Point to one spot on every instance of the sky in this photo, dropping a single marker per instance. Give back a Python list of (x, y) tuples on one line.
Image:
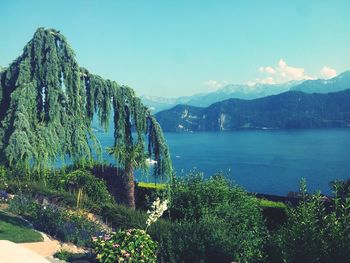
[(183, 47)]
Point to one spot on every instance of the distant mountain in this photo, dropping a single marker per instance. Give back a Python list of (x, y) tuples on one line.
[(229, 91), (247, 92), (338, 83), (157, 104), (292, 109)]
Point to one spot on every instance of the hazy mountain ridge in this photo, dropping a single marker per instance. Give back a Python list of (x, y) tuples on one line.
[(338, 83), (292, 109), (248, 92), (239, 91)]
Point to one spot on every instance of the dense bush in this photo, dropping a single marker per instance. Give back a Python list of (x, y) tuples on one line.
[(316, 231), (146, 193), (86, 186), (122, 217), (274, 213), (217, 222), (75, 257), (131, 245), (56, 221), (341, 187), (3, 178), (208, 220)]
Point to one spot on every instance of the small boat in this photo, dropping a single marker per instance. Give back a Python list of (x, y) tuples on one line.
[(149, 161)]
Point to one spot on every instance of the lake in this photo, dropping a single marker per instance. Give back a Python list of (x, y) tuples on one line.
[(264, 161)]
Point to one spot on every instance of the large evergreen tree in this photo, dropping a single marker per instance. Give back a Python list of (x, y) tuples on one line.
[(47, 103)]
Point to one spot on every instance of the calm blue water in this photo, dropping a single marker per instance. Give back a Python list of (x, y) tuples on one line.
[(271, 162)]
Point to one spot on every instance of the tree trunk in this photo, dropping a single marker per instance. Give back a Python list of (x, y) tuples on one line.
[(129, 186)]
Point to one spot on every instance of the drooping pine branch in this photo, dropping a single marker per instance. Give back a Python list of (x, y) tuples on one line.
[(47, 103)]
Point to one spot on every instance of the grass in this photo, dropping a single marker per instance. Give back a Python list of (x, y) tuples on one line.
[(267, 203), (151, 186), (16, 230), (72, 257)]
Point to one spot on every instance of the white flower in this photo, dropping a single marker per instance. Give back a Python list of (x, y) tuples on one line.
[(157, 211)]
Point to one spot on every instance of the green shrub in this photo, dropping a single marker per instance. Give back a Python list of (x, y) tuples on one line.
[(121, 217), (220, 220), (3, 178), (147, 192), (341, 187), (22, 205), (272, 204), (65, 225), (316, 232), (132, 245), (274, 213), (86, 186), (72, 257)]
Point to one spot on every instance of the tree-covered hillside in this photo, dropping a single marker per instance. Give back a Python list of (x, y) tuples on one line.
[(287, 110)]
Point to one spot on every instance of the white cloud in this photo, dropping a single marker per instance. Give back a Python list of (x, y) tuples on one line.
[(268, 80), (269, 70), (291, 73), (328, 72), (215, 84), (251, 83), (282, 72)]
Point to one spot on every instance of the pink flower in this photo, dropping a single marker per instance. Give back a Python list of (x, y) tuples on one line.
[(116, 245), (127, 255), (107, 237)]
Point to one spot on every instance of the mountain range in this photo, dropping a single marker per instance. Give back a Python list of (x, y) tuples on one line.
[(291, 109), (248, 92)]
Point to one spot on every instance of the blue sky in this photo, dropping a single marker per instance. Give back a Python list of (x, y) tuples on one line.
[(174, 48)]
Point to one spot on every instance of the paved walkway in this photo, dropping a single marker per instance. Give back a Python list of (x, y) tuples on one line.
[(15, 253), (31, 252), (44, 249), (34, 252)]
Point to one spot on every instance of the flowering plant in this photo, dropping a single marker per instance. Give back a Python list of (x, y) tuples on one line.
[(3, 196), (132, 245), (158, 209)]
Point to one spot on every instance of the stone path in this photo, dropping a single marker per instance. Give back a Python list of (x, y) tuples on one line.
[(31, 252), (14, 253), (44, 249), (34, 252)]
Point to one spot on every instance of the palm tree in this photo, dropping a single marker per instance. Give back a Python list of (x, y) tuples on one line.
[(130, 157)]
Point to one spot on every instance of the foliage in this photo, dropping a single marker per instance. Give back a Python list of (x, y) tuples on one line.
[(157, 210), (288, 110), (3, 178), (72, 257), (274, 213), (121, 217), (63, 224), (47, 103), (272, 204), (341, 188), (316, 231), (153, 186), (132, 245), (17, 230), (62, 186), (210, 213), (85, 183), (147, 192)]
